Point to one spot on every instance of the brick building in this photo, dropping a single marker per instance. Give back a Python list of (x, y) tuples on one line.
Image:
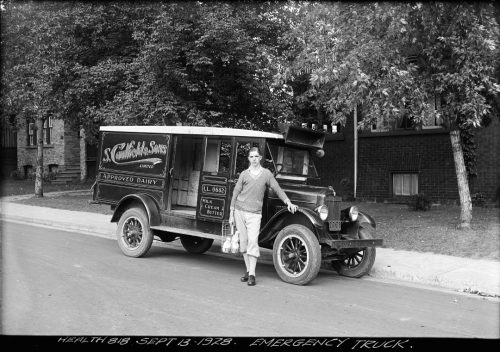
[(61, 149), (8, 148), (395, 163)]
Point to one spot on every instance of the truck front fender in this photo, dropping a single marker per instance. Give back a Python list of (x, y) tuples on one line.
[(365, 218), (352, 229), (283, 217), (148, 202)]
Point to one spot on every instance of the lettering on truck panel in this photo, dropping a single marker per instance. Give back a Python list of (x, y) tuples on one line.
[(126, 179), (130, 153), (212, 207), (214, 189), (141, 154)]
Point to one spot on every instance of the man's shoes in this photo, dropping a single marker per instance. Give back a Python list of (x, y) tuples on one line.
[(251, 280), (244, 278)]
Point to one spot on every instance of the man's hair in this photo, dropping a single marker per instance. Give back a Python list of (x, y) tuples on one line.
[(255, 149)]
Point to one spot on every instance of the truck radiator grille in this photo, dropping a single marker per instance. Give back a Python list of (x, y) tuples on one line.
[(333, 204)]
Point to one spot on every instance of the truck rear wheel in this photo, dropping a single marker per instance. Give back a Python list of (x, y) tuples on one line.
[(133, 233), (196, 245), (296, 255), (358, 264)]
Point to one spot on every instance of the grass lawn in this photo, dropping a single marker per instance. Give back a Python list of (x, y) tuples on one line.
[(17, 187), (435, 230), (401, 228)]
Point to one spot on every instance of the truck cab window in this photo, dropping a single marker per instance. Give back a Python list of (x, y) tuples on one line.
[(291, 161)]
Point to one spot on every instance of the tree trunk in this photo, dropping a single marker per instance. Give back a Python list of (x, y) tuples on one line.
[(463, 185), (39, 158), (83, 156)]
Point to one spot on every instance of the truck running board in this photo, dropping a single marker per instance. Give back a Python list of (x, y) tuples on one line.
[(182, 231)]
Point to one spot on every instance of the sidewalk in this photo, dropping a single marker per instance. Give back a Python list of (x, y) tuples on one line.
[(461, 274)]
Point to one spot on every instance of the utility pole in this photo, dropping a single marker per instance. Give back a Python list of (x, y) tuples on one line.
[(355, 150)]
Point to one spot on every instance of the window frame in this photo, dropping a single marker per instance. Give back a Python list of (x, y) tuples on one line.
[(412, 187), (31, 140), (47, 133)]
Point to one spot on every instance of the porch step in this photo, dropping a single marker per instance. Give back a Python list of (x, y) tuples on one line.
[(70, 174), (61, 182), (73, 167)]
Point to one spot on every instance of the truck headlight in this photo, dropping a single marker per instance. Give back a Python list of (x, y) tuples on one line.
[(353, 213), (322, 211)]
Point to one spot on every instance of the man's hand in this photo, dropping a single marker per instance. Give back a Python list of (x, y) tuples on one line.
[(292, 208)]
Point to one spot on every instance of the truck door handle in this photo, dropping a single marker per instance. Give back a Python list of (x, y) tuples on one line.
[(170, 171)]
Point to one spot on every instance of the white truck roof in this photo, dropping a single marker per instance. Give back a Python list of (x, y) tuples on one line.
[(193, 130)]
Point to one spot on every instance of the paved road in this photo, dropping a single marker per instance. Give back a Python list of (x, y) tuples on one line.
[(62, 283)]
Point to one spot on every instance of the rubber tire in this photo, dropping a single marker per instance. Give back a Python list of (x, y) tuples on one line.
[(147, 235), (364, 266), (313, 262), (196, 245)]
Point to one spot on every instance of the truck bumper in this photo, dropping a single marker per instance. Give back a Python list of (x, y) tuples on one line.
[(339, 244)]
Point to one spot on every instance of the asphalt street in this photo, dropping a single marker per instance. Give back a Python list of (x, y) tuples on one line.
[(64, 283)]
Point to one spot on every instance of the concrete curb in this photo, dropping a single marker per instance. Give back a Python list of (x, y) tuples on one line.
[(475, 276)]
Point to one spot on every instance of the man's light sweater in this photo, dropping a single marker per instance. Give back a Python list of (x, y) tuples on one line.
[(249, 191)]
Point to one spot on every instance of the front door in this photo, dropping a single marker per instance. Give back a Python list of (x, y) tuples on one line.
[(214, 192)]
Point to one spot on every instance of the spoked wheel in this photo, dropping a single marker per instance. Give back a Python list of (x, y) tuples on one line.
[(133, 233), (296, 255), (359, 263)]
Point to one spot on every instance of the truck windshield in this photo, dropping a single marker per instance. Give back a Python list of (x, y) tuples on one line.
[(288, 160)]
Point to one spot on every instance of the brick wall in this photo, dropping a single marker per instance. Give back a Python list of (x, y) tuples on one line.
[(71, 147), (8, 149), (427, 153), (337, 164), (487, 180)]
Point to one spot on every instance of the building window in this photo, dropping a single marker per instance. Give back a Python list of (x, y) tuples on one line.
[(46, 134), (404, 184), (405, 122), (31, 134), (380, 126), (47, 130), (434, 119)]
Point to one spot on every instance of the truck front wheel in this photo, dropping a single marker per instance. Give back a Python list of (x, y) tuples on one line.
[(296, 255), (133, 233), (359, 263)]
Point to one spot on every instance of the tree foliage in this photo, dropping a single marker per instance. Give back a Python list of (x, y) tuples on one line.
[(348, 55), (194, 64), (34, 42), (249, 65), (459, 45), (344, 55), (148, 63)]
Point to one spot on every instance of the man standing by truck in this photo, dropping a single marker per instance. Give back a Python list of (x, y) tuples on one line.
[(246, 209)]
